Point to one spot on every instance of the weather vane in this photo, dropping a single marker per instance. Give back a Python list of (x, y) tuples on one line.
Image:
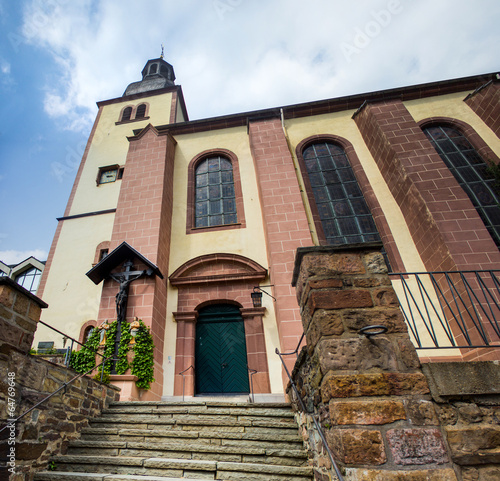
[(161, 56)]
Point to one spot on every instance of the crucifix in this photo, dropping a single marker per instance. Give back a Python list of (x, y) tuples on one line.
[(124, 278)]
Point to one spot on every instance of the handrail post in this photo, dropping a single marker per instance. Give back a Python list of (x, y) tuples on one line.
[(252, 372), (303, 407), (183, 379)]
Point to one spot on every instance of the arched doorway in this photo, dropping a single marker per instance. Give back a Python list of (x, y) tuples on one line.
[(220, 351)]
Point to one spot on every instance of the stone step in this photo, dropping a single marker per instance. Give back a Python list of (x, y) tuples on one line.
[(265, 440), (261, 410), (241, 454), (71, 476), (193, 440), (222, 423), (180, 468)]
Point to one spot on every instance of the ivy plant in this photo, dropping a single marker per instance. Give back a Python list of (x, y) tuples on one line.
[(143, 362), (142, 365)]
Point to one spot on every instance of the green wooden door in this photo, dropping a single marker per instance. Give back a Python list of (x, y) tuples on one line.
[(221, 354)]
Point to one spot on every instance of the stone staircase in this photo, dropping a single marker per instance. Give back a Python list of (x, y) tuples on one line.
[(166, 441)]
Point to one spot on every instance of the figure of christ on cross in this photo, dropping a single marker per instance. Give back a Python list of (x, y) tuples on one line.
[(124, 278)]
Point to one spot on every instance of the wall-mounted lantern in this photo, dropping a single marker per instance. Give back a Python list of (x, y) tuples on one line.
[(257, 296)]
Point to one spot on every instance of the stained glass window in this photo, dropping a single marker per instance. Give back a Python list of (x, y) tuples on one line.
[(344, 214), (215, 202), (470, 170)]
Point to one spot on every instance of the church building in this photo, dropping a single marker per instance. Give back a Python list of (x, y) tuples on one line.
[(212, 211)]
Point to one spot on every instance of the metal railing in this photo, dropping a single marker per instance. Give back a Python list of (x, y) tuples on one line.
[(63, 387), (69, 349), (450, 309), (251, 372), (183, 379), (304, 409)]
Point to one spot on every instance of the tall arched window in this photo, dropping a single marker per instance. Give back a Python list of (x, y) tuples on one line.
[(344, 214), (470, 170), (215, 202)]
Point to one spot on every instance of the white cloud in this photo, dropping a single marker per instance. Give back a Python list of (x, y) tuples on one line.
[(251, 55), (15, 257), (5, 67)]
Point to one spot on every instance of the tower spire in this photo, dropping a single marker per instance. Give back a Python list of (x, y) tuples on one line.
[(161, 56)]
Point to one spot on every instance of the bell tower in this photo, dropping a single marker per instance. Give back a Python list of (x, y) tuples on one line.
[(156, 74)]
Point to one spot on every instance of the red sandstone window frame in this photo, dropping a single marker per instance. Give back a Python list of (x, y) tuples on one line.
[(366, 188), (482, 148), (240, 213), (102, 246), (83, 330), (133, 114)]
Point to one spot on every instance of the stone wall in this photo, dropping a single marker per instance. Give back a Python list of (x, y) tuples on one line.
[(25, 380), (370, 394)]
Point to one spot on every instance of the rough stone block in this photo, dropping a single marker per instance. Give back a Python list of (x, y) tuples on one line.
[(474, 444), (366, 412), (356, 474), (391, 318), (362, 446), (7, 296), (417, 446), (21, 305), (408, 356), (486, 473), (367, 282), (385, 297), (375, 263), (356, 354), (324, 323), (379, 384), (422, 413), (345, 299)]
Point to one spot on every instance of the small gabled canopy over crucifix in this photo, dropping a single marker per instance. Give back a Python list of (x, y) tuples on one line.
[(122, 255)]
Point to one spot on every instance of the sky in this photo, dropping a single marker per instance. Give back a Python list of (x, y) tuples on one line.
[(59, 57)]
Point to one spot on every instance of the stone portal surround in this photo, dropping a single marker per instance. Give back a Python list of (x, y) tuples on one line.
[(371, 396)]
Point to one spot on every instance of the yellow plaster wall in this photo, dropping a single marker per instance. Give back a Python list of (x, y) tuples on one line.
[(453, 106), (109, 147), (72, 297), (342, 124), (249, 242)]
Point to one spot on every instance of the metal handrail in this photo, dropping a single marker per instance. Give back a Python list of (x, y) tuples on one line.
[(447, 301), (183, 378), (252, 372), (64, 386), (303, 407), (69, 349)]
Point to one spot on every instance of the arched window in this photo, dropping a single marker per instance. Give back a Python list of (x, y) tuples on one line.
[(30, 279), (215, 202), (127, 112), (344, 214), (153, 68), (141, 111), (470, 170)]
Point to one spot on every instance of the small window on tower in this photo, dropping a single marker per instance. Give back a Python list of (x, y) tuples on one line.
[(141, 111), (153, 68), (126, 114)]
